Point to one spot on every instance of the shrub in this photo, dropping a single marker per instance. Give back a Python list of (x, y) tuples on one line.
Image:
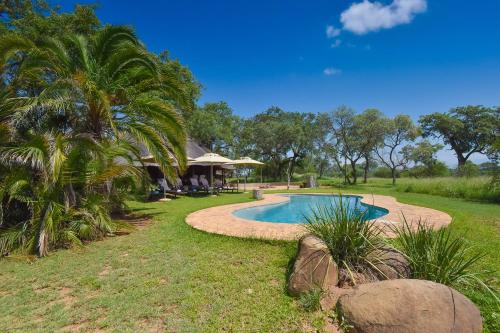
[(468, 170), (478, 188), (436, 255), (384, 172), (310, 301), (352, 240)]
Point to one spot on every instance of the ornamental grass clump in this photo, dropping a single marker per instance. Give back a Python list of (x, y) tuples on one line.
[(353, 241), (437, 255)]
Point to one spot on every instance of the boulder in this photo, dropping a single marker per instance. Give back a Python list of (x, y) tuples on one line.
[(349, 279), (313, 268), (391, 264), (412, 306)]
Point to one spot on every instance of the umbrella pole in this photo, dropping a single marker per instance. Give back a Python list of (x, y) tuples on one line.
[(211, 174)]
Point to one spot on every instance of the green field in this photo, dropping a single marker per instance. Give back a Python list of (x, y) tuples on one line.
[(170, 277), (474, 188)]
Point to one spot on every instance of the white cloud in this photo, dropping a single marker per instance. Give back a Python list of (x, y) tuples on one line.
[(336, 43), (330, 71), (331, 31), (367, 16)]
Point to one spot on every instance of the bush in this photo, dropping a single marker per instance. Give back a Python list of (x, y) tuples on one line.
[(384, 172), (436, 255), (310, 301), (469, 170), (352, 240), (438, 169), (478, 188)]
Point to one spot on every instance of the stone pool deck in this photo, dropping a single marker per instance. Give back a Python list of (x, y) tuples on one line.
[(220, 219)]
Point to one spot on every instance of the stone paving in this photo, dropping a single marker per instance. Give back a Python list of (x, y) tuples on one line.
[(220, 219)]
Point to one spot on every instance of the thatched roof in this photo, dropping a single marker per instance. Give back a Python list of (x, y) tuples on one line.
[(194, 149)]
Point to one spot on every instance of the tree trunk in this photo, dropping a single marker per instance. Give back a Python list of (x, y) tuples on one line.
[(280, 171), (353, 171), (365, 175), (292, 167), (461, 162), (393, 173), (288, 171)]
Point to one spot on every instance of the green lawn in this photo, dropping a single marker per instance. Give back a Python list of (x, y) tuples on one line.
[(170, 277)]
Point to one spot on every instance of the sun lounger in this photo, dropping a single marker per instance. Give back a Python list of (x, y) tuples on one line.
[(196, 186), (221, 187), (165, 188)]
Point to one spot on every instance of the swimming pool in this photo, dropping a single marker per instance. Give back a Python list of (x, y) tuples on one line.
[(294, 210)]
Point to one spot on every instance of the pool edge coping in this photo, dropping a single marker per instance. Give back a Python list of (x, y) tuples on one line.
[(221, 220)]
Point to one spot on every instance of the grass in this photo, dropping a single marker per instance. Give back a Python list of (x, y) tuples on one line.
[(474, 188), (168, 277), (171, 277), (479, 222), (477, 188), (310, 301)]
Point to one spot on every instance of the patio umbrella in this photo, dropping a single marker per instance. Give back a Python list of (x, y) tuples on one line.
[(247, 161), (211, 159)]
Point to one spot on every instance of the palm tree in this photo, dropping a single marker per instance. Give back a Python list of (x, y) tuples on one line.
[(71, 130), (107, 86), (43, 171)]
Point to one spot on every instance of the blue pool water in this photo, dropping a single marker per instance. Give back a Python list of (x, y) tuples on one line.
[(293, 211)]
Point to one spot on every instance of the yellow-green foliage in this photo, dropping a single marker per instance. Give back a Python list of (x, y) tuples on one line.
[(477, 188)]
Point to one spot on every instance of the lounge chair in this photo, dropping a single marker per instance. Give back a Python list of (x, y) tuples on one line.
[(221, 187), (196, 187), (178, 184), (165, 188), (205, 184)]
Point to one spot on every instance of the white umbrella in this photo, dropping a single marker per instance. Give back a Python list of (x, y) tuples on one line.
[(211, 159), (247, 161)]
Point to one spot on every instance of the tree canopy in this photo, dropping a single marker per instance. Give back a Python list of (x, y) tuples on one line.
[(74, 111), (468, 129)]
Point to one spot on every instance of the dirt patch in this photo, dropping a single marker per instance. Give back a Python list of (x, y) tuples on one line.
[(134, 220), (105, 271), (40, 290), (75, 327), (275, 283), (152, 325), (66, 298)]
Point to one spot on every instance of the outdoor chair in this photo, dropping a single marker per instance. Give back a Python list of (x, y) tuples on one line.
[(196, 187), (221, 187), (165, 188), (178, 184), (204, 183)]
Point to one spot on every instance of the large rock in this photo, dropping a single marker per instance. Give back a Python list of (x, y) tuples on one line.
[(391, 264), (412, 306), (314, 267)]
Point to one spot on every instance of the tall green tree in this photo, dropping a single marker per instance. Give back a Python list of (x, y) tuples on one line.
[(214, 125), (107, 86), (272, 138), (346, 134), (423, 155), (356, 136), (37, 19), (371, 130), (468, 129), (323, 151), (398, 131), (73, 112)]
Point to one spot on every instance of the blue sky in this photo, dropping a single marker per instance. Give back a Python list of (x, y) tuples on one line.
[(402, 56)]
